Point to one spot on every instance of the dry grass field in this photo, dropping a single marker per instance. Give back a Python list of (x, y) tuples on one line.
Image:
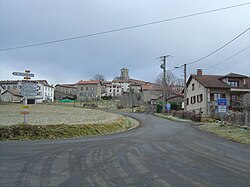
[(54, 115)]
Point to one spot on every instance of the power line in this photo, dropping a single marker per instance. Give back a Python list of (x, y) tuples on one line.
[(219, 47), (228, 58), (123, 28), (202, 58)]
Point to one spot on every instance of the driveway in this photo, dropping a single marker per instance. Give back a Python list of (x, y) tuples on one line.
[(158, 153)]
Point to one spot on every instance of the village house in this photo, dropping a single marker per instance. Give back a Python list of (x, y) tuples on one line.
[(87, 90), (203, 91), (65, 91), (11, 91)]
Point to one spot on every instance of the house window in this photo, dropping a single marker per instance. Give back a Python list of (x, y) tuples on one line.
[(110, 90), (193, 99), (81, 88), (187, 101), (235, 97), (234, 83), (193, 86), (199, 98), (87, 88), (14, 87), (216, 96)]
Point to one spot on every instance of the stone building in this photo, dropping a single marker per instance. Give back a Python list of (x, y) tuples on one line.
[(87, 90)]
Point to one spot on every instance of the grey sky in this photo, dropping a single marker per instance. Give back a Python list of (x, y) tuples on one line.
[(29, 21)]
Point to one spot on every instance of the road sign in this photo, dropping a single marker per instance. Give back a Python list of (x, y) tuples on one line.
[(222, 105), (24, 112), (168, 106), (29, 89), (23, 74)]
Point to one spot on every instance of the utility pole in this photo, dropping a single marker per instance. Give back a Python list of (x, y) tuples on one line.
[(164, 67), (185, 87)]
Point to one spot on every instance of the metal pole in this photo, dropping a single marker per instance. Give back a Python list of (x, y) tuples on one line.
[(185, 87)]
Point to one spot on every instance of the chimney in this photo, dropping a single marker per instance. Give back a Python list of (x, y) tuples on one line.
[(199, 72)]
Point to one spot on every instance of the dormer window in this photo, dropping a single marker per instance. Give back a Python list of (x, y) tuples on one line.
[(233, 83)]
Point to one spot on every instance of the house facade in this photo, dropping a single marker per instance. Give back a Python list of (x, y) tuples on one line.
[(87, 90), (45, 92), (203, 91), (63, 91)]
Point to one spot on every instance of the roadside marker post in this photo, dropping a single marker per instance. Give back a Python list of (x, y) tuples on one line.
[(28, 89)]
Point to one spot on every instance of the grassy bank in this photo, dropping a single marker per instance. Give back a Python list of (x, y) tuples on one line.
[(230, 132), (233, 133), (41, 132)]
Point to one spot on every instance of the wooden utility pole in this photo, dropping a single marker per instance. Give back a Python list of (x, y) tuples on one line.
[(164, 68), (185, 87)]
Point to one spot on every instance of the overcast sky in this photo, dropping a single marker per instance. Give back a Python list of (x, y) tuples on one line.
[(28, 22)]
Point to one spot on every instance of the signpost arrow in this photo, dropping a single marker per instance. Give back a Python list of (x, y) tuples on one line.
[(23, 74)]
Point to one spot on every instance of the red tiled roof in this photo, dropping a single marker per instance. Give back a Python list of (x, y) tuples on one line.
[(67, 85), (119, 81), (89, 82), (150, 87)]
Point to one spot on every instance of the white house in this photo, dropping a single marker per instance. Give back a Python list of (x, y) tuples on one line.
[(45, 92), (203, 91)]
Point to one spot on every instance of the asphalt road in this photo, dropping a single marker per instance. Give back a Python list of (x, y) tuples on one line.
[(158, 153)]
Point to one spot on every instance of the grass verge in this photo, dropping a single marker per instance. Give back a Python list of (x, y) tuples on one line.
[(172, 118), (230, 132), (42, 132)]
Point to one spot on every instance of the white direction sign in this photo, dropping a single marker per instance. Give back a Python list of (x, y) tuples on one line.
[(29, 89), (23, 74)]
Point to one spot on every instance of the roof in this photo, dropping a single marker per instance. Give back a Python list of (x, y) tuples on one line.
[(234, 75), (209, 81), (12, 92), (89, 82), (215, 81), (67, 85), (10, 82), (151, 87), (122, 80), (137, 81)]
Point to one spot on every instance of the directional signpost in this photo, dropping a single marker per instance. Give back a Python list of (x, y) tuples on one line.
[(23, 74), (28, 89)]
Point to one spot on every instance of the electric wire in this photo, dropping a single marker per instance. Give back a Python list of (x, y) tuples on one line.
[(202, 58), (123, 28), (241, 51)]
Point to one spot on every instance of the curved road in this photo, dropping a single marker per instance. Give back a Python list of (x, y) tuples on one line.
[(158, 153)]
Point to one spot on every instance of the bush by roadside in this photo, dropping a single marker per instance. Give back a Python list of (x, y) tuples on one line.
[(40, 132)]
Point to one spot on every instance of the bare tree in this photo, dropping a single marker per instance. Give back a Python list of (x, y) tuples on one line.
[(170, 78), (170, 82), (99, 77)]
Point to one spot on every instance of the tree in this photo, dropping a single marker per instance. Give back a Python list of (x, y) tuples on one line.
[(99, 77), (170, 82), (170, 78)]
